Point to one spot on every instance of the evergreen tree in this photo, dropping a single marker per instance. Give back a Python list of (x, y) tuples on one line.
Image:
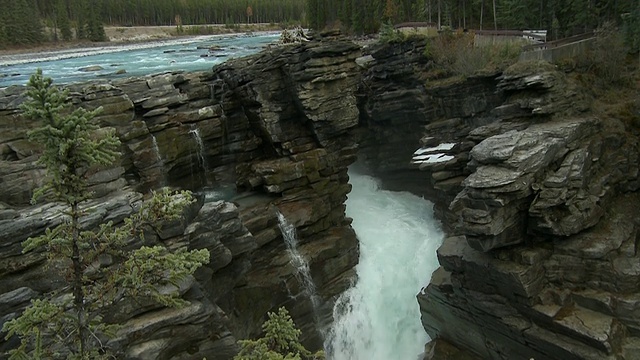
[(34, 29), (20, 26), (4, 20), (312, 14), (280, 341), (80, 13), (632, 29), (59, 326), (62, 20), (357, 16), (95, 28)]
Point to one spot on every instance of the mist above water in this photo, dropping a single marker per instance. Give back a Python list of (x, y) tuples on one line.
[(379, 318)]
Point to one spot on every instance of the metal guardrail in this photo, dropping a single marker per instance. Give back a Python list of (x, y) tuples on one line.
[(415, 25), (557, 43), (509, 33)]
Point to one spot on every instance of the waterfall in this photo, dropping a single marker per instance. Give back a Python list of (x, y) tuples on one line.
[(156, 151), (195, 132), (212, 91), (159, 162), (223, 116), (303, 274), (379, 318)]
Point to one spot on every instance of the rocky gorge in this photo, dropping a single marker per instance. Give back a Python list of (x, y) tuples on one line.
[(537, 194)]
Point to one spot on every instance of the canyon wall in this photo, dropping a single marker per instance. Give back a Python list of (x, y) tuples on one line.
[(275, 126), (538, 195), (536, 190)]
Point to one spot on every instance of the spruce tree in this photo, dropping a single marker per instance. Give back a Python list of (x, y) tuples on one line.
[(95, 28), (4, 18), (34, 24), (21, 26), (312, 14), (280, 342), (81, 14), (62, 19), (71, 327)]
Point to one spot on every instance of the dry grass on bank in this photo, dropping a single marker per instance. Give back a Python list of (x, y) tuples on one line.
[(456, 55)]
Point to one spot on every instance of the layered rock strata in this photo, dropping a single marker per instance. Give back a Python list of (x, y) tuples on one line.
[(276, 126), (538, 195)]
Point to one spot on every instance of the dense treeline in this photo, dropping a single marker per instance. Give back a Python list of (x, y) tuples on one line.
[(188, 12), (17, 24), (560, 17), (22, 22)]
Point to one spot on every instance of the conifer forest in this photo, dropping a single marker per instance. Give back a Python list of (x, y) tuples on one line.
[(27, 22)]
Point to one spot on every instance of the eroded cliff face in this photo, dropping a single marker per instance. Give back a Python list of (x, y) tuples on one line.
[(539, 197), (275, 125)]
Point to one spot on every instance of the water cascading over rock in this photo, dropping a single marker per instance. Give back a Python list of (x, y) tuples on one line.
[(533, 191), (542, 257), (301, 265), (377, 319), (284, 151)]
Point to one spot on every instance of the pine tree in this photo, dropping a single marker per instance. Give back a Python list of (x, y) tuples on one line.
[(280, 341), (62, 19), (4, 19), (312, 14), (20, 25), (61, 326), (95, 28), (357, 16), (632, 30), (81, 14), (33, 24)]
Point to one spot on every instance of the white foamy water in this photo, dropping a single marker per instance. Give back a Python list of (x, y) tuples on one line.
[(303, 273), (135, 59), (379, 318)]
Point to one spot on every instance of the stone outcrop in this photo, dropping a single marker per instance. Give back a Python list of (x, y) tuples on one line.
[(537, 193), (539, 197), (275, 126)]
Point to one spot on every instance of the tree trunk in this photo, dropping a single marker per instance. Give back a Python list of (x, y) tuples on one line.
[(78, 289), (495, 21), (464, 14), (481, 13)]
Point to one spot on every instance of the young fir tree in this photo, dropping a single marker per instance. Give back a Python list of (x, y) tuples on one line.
[(70, 326), (280, 341)]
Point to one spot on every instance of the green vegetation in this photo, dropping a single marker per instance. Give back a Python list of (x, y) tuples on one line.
[(632, 29), (454, 54), (21, 21), (561, 17), (605, 59), (389, 34), (280, 341), (18, 26), (62, 21), (99, 265)]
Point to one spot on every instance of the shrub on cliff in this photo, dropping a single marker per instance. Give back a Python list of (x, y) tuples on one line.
[(455, 54), (99, 265), (389, 34), (280, 341), (605, 59)]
